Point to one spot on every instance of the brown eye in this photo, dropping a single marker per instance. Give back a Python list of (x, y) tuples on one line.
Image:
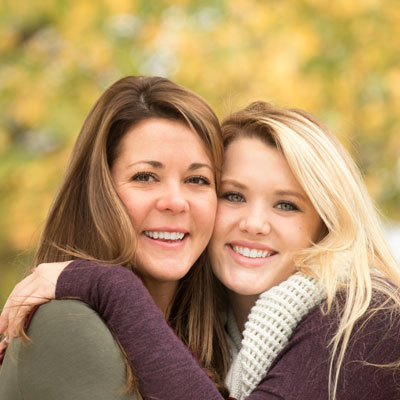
[(198, 180), (144, 177)]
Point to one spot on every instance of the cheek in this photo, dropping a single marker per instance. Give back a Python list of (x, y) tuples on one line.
[(312, 232), (305, 235), (135, 205), (225, 220), (204, 214), (215, 253), (222, 228), (319, 231)]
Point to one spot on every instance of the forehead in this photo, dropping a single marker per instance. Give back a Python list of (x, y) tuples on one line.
[(158, 137), (253, 160)]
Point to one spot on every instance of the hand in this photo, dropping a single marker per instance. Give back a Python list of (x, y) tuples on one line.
[(37, 288), (3, 345)]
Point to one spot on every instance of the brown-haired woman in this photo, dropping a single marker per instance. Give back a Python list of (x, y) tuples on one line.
[(140, 191)]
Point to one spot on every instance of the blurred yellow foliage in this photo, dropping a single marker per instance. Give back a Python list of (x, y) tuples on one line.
[(338, 60), (121, 6)]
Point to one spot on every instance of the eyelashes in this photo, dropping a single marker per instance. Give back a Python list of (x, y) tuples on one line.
[(199, 180), (287, 206), (144, 176), (147, 177), (234, 197)]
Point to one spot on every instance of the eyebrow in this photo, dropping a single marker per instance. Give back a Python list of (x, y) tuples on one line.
[(155, 164), (195, 166), (234, 183), (290, 193), (159, 165)]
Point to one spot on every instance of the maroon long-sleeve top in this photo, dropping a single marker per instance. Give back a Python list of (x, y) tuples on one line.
[(166, 369)]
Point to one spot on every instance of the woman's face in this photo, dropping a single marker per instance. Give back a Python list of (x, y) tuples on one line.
[(165, 180), (263, 218)]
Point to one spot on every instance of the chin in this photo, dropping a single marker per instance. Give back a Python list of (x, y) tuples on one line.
[(243, 289), (248, 292), (173, 274)]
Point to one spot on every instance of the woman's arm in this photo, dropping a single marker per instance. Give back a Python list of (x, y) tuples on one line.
[(166, 369), (72, 355)]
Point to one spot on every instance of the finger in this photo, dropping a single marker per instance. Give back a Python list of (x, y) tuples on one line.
[(18, 296), (3, 322), (3, 345), (18, 314), (4, 342), (36, 288), (5, 316), (16, 309)]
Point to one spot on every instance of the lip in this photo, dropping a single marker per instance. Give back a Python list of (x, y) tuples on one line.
[(167, 245), (246, 261)]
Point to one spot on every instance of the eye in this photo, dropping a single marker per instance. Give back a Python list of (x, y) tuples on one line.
[(144, 177), (198, 180), (286, 206), (233, 197)]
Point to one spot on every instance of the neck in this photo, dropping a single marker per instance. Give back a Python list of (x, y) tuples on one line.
[(241, 306), (162, 293)]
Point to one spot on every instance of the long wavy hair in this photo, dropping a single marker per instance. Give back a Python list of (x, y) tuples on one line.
[(352, 258), (88, 220)]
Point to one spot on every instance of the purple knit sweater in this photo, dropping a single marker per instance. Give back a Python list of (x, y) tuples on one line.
[(166, 369)]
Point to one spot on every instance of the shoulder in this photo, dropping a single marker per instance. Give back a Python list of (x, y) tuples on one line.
[(301, 370), (72, 354), (375, 337), (69, 321)]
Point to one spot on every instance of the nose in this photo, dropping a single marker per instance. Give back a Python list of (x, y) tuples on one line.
[(173, 199), (255, 224)]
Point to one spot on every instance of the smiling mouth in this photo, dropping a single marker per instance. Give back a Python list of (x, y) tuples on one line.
[(169, 237), (252, 253)]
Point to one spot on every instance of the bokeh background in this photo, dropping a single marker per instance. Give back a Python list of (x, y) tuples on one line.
[(338, 59)]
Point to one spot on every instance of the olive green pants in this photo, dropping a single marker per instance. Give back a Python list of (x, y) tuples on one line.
[(72, 356)]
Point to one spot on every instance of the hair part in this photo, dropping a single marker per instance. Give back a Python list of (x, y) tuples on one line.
[(352, 256)]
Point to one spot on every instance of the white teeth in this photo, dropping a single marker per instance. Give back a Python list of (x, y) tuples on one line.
[(165, 235), (251, 253)]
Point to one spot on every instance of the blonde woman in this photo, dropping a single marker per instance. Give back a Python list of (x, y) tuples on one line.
[(312, 289)]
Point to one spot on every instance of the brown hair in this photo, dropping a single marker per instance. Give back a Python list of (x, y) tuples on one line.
[(88, 220)]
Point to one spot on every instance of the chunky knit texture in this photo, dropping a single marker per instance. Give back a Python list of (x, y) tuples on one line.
[(269, 327)]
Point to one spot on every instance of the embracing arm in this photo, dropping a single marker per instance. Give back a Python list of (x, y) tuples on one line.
[(166, 369)]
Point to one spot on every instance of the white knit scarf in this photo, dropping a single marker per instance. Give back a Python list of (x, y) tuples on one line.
[(268, 329)]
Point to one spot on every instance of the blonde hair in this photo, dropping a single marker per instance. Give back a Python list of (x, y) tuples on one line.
[(352, 256), (88, 220)]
